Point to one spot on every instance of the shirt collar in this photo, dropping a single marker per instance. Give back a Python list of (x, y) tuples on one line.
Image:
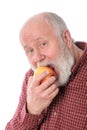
[(82, 60)]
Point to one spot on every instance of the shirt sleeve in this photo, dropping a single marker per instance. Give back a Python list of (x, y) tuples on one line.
[(21, 119)]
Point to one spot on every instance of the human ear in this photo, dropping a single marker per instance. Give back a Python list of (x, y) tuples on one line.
[(66, 36)]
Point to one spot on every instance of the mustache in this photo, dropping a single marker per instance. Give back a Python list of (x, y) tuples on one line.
[(39, 64)]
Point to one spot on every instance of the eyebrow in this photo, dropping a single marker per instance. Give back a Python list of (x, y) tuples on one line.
[(37, 39)]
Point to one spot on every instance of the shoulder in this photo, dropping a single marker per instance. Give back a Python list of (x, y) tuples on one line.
[(82, 45)]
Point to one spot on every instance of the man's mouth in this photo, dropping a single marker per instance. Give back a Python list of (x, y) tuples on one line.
[(48, 65), (51, 66)]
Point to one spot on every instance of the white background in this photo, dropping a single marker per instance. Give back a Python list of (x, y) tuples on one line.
[(13, 62)]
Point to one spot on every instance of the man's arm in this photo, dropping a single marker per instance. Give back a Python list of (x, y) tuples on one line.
[(22, 119)]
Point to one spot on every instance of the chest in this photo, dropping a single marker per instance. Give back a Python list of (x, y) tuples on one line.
[(68, 110)]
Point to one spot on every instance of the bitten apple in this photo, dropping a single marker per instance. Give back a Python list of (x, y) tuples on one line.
[(41, 69)]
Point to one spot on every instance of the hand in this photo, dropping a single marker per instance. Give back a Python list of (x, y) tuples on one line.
[(39, 96)]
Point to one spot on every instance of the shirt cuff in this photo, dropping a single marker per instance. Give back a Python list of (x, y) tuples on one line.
[(30, 120)]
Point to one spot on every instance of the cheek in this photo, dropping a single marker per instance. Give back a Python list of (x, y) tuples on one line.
[(30, 60), (53, 53)]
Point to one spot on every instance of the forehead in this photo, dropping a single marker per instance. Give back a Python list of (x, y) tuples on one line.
[(35, 29)]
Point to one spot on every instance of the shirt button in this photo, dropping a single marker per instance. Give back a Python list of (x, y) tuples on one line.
[(39, 119), (55, 113)]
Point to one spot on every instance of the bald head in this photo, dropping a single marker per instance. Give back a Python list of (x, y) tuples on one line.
[(55, 21), (36, 26)]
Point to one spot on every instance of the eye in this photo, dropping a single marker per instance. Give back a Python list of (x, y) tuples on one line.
[(30, 51), (43, 44)]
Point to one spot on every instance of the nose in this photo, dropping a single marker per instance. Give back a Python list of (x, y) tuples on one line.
[(38, 56)]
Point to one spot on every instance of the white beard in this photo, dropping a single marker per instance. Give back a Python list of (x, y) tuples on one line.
[(64, 65)]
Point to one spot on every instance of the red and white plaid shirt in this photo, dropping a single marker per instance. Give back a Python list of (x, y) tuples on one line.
[(68, 111)]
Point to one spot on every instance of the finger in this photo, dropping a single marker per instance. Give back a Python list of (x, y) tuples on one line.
[(46, 84), (37, 79), (54, 93), (30, 79), (49, 90)]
